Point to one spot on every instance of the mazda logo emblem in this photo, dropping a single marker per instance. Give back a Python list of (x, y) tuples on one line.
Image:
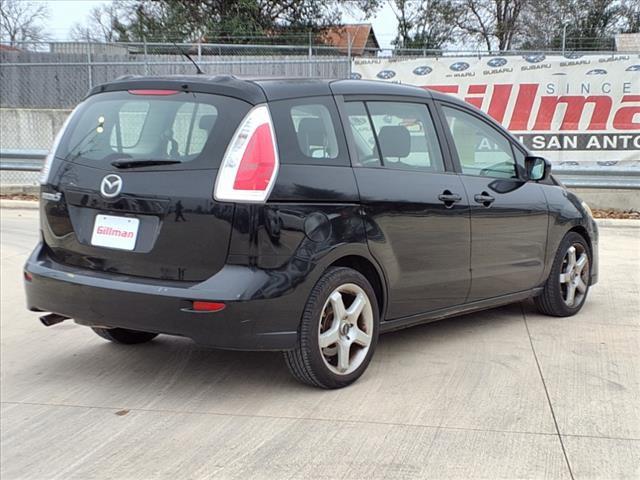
[(111, 186)]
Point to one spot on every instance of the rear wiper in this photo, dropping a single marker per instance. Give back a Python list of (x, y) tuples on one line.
[(143, 163)]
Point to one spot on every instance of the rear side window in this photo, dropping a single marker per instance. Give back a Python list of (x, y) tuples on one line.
[(406, 136), (183, 126), (398, 135), (308, 132)]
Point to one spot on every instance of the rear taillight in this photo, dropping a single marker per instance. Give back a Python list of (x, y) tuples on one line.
[(250, 164)]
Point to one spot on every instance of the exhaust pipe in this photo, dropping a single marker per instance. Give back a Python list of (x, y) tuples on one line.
[(52, 319)]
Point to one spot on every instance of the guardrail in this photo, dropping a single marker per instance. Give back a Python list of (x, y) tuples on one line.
[(612, 177)]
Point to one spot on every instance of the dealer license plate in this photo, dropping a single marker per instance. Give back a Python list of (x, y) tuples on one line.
[(115, 232)]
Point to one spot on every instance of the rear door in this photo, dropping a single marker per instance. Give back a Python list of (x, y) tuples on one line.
[(508, 214), (131, 189), (416, 212)]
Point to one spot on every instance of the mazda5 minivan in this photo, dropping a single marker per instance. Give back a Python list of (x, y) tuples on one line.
[(304, 216)]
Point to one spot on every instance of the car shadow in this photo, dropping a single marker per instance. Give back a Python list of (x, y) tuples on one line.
[(172, 370)]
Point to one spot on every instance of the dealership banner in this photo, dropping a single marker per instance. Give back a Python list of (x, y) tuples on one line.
[(567, 108)]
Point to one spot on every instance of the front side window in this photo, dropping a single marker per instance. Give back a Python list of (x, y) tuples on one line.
[(482, 150), (406, 136)]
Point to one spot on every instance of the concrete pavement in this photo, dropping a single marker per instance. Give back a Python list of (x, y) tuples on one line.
[(506, 393)]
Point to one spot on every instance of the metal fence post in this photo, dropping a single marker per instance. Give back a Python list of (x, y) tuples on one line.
[(310, 54), (89, 66), (349, 52), (146, 60)]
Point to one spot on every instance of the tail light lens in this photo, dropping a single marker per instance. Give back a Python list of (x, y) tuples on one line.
[(250, 164)]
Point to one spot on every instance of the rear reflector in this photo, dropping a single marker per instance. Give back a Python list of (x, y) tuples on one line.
[(250, 164), (153, 92), (200, 306), (27, 276)]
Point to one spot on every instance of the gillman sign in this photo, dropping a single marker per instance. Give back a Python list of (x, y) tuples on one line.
[(569, 108)]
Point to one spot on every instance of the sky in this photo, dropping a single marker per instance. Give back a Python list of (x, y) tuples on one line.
[(63, 14)]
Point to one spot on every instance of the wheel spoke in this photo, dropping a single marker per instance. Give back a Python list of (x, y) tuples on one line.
[(564, 277), (343, 355), (355, 309), (360, 337), (582, 261), (338, 306), (581, 286), (571, 258), (571, 294), (329, 337)]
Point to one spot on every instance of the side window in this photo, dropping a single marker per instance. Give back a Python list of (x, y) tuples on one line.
[(308, 131), (482, 150), (363, 136), (406, 136)]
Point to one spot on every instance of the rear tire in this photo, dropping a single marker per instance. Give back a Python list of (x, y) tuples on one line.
[(565, 291), (124, 336), (338, 332)]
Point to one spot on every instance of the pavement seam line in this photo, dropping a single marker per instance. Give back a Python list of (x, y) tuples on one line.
[(317, 419), (546, 392), (279, 417)]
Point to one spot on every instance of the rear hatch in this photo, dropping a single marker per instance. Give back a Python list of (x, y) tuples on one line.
[(130, 190)]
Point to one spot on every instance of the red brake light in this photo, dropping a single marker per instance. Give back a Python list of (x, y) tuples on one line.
[(200, 306), (153, 92), (258, 161), (250, 164)]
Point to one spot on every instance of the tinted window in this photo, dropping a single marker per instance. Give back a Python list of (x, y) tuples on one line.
[(406, 136), (308, 131), (363, 135), (183, 127), (482, 150)]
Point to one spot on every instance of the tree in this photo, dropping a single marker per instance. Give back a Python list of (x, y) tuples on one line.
[(630, 16), (587, 24), (427, 24), (21, 21), (103, 23), (187, 21), (492, 21)]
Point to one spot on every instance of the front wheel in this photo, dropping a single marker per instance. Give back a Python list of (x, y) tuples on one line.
[(338, 331), (566, 288)]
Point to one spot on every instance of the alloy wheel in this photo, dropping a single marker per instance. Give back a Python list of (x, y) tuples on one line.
[(574, 275), (345, 329)]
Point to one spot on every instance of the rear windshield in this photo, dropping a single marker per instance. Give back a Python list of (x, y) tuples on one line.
[(183, 127)]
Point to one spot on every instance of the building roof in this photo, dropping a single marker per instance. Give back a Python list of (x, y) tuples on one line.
[(361, 36), (9, 48)]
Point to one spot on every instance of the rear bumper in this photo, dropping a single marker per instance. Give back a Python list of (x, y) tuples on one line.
[(262, 312)]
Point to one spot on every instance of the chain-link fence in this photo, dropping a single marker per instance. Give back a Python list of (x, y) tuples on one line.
[(58, 75)]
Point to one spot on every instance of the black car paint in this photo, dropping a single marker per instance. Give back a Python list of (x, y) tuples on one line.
[(418, 253)]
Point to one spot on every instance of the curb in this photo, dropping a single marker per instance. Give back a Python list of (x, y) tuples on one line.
[(618, 222), (20, 204)]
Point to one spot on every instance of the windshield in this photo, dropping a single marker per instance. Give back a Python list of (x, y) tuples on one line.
[(176, 127)]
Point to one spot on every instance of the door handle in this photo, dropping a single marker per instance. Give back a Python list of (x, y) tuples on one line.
[(449, 199), (484, 198)]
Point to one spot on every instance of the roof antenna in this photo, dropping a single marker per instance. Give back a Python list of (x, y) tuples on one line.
[(198, 69)]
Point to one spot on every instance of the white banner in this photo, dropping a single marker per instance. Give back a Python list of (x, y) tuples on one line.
[(567, 108)]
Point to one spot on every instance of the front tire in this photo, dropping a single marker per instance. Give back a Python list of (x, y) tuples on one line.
[(124, 336), (566, 288), (338, 332)]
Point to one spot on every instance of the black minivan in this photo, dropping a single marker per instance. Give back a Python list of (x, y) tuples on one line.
[(306, 216)]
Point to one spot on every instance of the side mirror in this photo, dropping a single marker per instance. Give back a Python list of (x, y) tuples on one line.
[(537, 168)]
